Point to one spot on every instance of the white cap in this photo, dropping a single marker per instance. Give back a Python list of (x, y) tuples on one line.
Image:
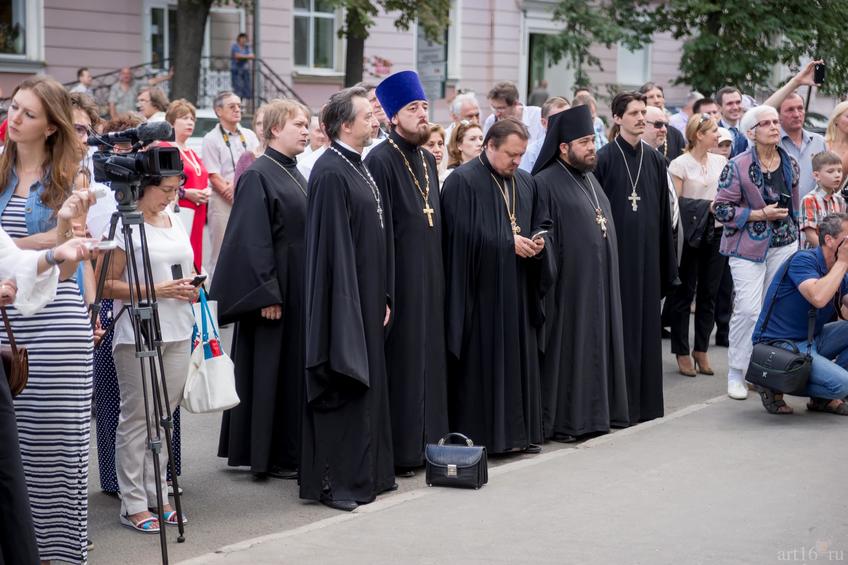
[(724, 135)]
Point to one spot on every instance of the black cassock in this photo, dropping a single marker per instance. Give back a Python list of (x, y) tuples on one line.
[(415, 345), (674, 145), (647, 265), (493, 307), (261, 264), (347, 439), (584, 387)]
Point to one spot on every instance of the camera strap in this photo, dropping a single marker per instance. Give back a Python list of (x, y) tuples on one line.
[(226, 138)]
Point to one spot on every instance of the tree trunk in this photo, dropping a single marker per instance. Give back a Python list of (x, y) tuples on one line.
[(191, 23), (356, 33)]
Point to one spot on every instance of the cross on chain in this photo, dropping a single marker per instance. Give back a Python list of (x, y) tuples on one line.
[(601, 220), (634, 198)]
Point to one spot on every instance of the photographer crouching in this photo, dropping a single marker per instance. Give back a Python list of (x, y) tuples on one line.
[(813, 278), (169, 247)]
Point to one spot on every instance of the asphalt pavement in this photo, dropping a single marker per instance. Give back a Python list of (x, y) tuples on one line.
[(715, 481)]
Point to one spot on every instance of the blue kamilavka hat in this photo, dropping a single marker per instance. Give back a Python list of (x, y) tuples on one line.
[(398, 90)]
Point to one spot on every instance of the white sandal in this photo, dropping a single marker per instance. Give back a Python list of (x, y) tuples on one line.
[(146, 526)]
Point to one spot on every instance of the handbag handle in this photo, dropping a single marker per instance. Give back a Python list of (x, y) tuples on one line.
[(811, 315), (467, 441), (9, 333)]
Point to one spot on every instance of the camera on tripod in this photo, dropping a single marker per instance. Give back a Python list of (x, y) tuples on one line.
[(124, 172)]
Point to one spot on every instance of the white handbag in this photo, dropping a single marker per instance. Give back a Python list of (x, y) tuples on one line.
[(211, 382)]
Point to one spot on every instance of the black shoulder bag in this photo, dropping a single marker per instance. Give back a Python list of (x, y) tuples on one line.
[(775, 367)]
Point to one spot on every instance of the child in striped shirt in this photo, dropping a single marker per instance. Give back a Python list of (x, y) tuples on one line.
[(824, 199)]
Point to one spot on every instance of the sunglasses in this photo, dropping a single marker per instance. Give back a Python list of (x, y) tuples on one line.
[(659, 124)]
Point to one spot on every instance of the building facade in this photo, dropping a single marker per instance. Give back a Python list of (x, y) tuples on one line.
[(488, 41)]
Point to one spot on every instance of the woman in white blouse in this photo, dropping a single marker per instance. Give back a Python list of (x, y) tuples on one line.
[(171, 260), (695, 175), (28, 279)]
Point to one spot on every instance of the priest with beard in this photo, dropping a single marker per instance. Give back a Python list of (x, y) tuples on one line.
[(259, 285), (496, 271), (634, 178), (347, 455), (584, 388), (415, 346)]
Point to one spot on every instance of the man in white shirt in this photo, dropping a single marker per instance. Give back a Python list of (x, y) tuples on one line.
[(553, 105), (221, 150), (85, 79), (503, 98)]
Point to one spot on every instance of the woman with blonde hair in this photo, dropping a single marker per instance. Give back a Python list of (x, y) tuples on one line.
[(436, 146), (836, 135), (466, 143), (37, 174), (695, 175)]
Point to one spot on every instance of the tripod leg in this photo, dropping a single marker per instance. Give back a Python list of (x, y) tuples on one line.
[(162, 396)]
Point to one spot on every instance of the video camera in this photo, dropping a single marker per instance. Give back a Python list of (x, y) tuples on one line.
[(124, 172)]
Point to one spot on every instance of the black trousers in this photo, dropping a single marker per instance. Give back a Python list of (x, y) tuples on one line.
[(700, 274), (724, 304), (17, 536)]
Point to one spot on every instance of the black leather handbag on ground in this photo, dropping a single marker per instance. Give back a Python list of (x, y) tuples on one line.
[(778, 368), (451, 465)]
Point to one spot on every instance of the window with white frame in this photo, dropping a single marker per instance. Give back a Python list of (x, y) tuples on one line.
[(634, 67), (13, 25), (21, 43), (314, 34)]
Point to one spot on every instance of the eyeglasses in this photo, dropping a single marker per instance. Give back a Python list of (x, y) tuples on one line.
[(767, 123), (168, 191), (659, 124)]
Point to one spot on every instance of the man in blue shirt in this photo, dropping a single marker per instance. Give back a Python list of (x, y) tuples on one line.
[(240, 54), (813, 278)]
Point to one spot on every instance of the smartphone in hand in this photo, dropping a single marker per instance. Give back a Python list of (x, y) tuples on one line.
[(819, 73)]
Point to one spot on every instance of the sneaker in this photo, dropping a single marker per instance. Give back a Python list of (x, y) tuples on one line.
[(737, 390)]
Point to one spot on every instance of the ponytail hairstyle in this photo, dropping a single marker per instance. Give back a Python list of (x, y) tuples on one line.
[(698, 123)]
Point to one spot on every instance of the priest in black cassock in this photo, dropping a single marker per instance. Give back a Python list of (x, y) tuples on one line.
[(584, 387), (259, 285), (415, 346), (634, 178), (347, 455), (496, 269)]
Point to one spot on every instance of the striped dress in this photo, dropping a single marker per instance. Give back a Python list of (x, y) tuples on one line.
[(54, 411)]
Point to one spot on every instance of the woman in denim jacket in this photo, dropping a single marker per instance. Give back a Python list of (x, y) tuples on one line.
[(37, 173), (759, 204)]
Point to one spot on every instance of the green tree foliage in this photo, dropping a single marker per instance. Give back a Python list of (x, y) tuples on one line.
[(433, 15), (724, 43)]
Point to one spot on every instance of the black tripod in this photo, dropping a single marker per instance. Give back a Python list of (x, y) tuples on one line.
[(143, 310)]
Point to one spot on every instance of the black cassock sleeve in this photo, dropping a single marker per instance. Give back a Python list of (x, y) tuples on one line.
[(336, 351), (246, 275), (460, 258), (668, 253), (382, 174)]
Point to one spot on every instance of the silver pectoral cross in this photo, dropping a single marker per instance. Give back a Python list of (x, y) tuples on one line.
[(601, 220), (634, 198)]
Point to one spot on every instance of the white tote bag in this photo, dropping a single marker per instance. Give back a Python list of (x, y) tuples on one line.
[(211, 382)]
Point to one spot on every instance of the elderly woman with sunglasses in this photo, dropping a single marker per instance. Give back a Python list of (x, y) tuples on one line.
[(758, 203)]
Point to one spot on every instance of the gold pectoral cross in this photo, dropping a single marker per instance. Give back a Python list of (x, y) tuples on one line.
[(634, 198), (429, 212)]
